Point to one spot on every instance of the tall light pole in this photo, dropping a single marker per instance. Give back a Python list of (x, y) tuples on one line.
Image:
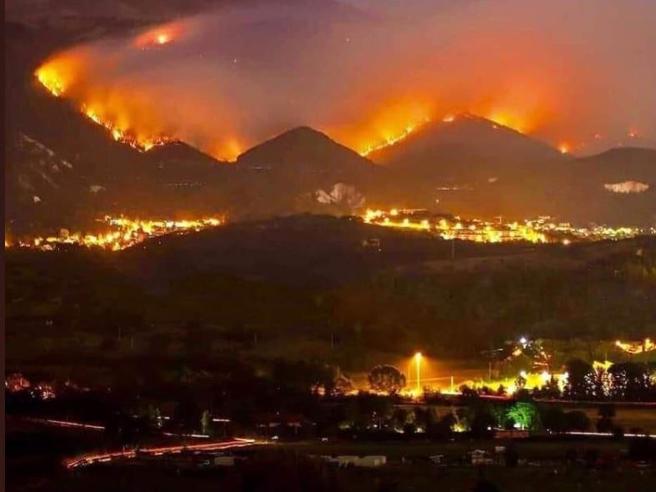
[(418, 358)]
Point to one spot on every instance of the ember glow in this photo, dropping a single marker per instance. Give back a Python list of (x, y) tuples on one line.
[(227, 80), (123, 233), (391, 140)]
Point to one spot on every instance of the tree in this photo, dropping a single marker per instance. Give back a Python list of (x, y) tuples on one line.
[(580, 380), (524, 416), (342, 386), (551, 389), (386, 379), (629, 381)]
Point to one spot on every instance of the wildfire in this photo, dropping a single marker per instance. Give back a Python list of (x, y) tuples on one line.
[(393, 139), (158, 37), (58, 74), (124, 233), (63, 75), (124, 134), (508, 119)]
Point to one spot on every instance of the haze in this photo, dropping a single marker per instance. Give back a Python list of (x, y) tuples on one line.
[(579, 75)]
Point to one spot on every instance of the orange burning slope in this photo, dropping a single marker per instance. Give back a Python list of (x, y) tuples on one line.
[(127, 87), (60, 74)]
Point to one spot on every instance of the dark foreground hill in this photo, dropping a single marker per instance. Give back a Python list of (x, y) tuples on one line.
[(302, 287)]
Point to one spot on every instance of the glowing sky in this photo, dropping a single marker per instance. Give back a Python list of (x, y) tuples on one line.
[(576, 74)]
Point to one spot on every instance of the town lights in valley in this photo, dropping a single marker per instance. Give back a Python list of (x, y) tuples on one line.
[(123, 233), (540, 230)]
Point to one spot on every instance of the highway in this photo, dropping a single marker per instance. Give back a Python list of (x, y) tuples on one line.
[(103, 457)]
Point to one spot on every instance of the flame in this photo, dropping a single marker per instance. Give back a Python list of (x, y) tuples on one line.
[(393, 122), (391, 140), (564, 148), (228, 150), (510, 120), (58, 74), (159, 36), (117, 110), (124, 134)]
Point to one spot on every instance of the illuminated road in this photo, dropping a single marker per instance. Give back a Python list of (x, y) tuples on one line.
[(95, 457)]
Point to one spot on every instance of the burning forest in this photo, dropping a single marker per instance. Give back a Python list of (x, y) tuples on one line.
[(215, 81)]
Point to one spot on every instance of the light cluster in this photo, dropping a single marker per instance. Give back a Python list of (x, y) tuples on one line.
[(123, 233), (540, 230)]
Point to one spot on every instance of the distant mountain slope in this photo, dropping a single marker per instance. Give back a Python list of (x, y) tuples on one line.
[(469, 147), (304, 170), (63, 170), (472, 166), (615, 187), (621, 164), (307, 151)]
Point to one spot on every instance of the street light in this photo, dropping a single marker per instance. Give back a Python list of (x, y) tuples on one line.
[(418, 358)]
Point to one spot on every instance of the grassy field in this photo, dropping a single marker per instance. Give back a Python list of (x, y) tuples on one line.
[(528, 449)]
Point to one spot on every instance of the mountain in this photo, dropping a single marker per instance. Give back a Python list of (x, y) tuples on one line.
[(472, 166), (307, 151), (619, 187), (621, 164), (469, 147), (63, 170), (304, 170)]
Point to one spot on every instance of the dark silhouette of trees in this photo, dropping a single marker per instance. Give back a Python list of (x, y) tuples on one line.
[(630, 381), (580, 380), (386, 379)]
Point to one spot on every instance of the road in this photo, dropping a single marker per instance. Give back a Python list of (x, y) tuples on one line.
[(97, 457)]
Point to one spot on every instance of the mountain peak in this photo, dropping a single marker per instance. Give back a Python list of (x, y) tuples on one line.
[(302, 146), (468, 135)]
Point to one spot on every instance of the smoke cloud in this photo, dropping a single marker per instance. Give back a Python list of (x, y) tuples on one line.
[(579, 74)]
